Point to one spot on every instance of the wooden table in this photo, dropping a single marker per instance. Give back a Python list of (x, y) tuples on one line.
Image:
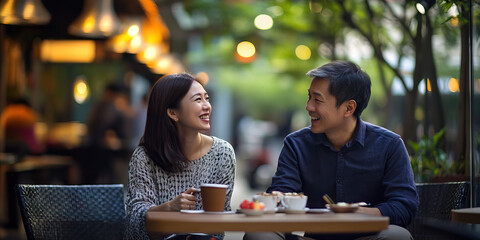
[(467, 215), (175, 222)]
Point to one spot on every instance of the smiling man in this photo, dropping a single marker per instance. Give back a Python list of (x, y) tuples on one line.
[(345, 157)]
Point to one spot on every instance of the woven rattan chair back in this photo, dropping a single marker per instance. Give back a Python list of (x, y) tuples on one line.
[(436, 202), (72, 211)]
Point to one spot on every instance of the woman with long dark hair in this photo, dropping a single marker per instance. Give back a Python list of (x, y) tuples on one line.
[(174, 157)]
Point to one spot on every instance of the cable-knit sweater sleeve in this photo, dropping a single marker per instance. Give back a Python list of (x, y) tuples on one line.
[(141, 193)]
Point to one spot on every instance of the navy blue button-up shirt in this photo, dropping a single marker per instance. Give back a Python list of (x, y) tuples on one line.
[(373, 167)]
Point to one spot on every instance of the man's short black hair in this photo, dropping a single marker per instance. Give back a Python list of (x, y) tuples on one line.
[(347, 82)]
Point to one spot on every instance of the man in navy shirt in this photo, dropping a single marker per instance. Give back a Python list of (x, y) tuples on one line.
[(345, 157)]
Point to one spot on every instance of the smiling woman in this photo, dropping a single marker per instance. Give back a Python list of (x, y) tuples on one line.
[(174, 158)]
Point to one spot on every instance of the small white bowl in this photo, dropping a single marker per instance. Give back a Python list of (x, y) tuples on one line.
[(252, 212)]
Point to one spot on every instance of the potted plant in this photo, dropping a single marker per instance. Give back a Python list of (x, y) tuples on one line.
[(430, 163)]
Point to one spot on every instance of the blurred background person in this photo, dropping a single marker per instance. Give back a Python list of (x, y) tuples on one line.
[(18, 122), (109, 133)]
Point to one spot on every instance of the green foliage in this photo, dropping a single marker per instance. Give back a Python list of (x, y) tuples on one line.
[(429, 159)]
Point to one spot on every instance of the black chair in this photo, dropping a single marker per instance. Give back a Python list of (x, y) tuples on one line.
[(436, 202), (72, 211)]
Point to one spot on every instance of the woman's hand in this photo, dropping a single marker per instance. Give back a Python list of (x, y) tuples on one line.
[(185, 200)]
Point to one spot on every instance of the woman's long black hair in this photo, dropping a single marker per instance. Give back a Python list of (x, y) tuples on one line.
[(160, 137)]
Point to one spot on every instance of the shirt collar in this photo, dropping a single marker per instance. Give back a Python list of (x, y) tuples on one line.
[(358, 135)]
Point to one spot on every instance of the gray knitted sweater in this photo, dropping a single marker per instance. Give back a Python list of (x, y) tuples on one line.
[(149, 185)]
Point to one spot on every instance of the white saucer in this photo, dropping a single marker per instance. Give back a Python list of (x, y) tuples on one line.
[(224, 212), (295, 211), (191, 211), (204, 212), (318, 210)]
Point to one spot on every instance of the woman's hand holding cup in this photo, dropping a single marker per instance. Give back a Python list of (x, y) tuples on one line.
[(184, 201)]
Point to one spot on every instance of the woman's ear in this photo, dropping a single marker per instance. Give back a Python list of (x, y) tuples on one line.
[(172, 114), (350, 108)]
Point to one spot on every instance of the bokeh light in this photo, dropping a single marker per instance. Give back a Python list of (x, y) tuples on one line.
[(263, 22), (80, 90), (246, 49), (303, 52), (453, 85), (133, 30), (202, 77)]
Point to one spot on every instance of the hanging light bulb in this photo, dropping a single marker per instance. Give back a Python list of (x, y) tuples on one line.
[(97, 20), (423, 5), (23, 12)]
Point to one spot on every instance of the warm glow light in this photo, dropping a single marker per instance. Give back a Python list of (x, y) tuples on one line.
[(105, 24), (202, 77), (133, 30), (150, 53), (429, 87), (89, 24), (263, 22), (246, 49), (454, 22), (29, 10), (453, 85), (82, 51), (303, 52), (80, 90), (162, 65), (135, 44), (130, 40)]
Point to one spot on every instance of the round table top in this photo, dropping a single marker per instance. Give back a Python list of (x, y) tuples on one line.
[(467, 215)]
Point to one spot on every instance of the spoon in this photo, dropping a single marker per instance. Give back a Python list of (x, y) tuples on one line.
[(328, 199)]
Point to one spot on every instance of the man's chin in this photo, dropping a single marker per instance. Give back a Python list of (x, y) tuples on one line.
[(315, 130)]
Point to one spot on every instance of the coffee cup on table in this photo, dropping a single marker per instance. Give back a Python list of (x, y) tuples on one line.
[(268, 199), (213, 197), (294, 201)]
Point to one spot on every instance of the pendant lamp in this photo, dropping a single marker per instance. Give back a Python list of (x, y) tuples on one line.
[(97, 20), (23, 12)]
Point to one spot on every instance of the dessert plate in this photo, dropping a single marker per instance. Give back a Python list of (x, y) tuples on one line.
[(253, 212)]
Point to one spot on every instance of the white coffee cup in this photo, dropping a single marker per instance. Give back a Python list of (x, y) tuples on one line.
[(268, 199), (294, 202)]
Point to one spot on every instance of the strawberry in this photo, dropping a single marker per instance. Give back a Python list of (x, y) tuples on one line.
[(244, 204)]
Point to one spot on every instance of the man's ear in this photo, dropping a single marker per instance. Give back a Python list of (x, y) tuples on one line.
[(351, 105), (172, 114)]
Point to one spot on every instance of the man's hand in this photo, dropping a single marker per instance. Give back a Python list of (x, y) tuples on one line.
[(369, 211)]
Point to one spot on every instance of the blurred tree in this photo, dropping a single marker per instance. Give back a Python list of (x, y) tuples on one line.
[(275, 81), (377, 22)]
